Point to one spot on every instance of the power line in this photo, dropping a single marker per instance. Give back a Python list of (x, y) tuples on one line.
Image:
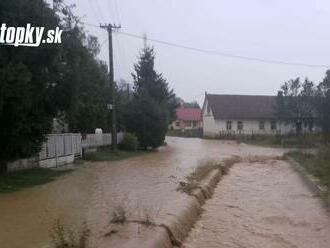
[(90, 24), (213, 52), (223, 54)]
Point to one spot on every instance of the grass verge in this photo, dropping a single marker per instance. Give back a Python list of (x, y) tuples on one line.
[(194, 133), (14, 181), (317, 164), (287, 141), (108, 155)]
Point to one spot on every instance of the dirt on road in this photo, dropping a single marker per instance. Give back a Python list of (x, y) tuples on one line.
[(263, 204)]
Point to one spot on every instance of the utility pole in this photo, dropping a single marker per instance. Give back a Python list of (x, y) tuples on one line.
[(110, 28), (145, 41)]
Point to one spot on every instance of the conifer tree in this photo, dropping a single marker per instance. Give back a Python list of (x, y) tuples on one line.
[(153, 105)]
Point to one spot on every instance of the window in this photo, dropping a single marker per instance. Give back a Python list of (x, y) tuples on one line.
[(239, 125), (273, 125), (261, 125), (177, 123), (228, 125), (195, 124)]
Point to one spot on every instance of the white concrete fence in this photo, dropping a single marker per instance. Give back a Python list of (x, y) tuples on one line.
[(60, 149), (97, 140)]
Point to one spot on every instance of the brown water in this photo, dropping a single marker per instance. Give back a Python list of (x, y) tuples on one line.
[(262, 205), (27, 217), (144, 184)]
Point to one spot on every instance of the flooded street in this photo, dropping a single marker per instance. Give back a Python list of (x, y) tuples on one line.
[(262, 205), (27, 216), (146, 186)]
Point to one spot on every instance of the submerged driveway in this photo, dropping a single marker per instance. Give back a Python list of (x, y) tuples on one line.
[(144, 185), (263, 204)]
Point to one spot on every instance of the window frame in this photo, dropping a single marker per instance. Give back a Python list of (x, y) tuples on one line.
[(273, 125), (262, 125), (240, 125), (228, 125)]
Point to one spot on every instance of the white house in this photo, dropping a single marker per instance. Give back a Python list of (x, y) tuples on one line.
[(225, 115)]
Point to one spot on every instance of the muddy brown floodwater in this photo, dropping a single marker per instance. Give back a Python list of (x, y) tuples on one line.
[(144, 184), (262, 205)]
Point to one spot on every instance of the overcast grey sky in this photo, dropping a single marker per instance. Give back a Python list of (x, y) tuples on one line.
[(295, 30)]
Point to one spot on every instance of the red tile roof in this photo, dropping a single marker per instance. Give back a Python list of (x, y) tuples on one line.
[(189, 114)]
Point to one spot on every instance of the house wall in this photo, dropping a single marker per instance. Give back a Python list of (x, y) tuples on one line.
[(215, 128), (185, 125), (218, 127), (210, 127)]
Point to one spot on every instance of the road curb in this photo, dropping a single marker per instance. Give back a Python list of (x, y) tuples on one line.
[(207, 186), (182, 222), (312, 182), (176, 224)]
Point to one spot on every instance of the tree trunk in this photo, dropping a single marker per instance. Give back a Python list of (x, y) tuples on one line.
[(3, 167)]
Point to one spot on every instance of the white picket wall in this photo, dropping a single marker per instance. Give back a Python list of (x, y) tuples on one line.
[(97, 140), (61, 149), (59, 145)]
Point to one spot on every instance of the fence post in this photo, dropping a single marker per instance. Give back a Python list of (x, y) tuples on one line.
[(64, 147), (72, 150), (55, 146)]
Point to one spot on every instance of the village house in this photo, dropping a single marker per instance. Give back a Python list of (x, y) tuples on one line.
[(226, 115), (187, 119)]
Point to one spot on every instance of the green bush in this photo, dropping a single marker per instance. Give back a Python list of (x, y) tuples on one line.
[(318, 164), (129, 142)]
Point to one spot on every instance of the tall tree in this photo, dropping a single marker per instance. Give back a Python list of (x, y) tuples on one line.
[(153, 105), (26, 80), (124, 96), (38, 84), (323, 104), (83, 90), (295, 103)]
